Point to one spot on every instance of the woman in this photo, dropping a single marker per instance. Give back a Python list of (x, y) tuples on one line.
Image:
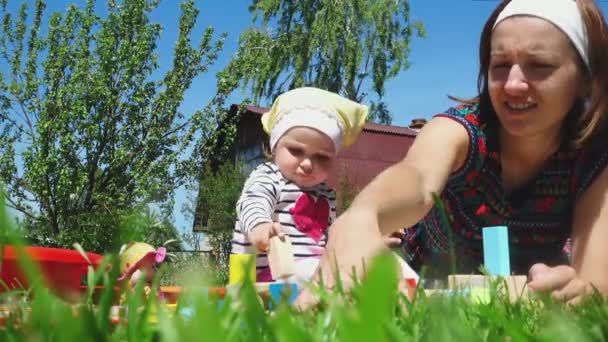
[(527, 153)]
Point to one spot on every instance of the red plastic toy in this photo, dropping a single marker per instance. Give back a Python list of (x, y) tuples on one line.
[(62, 269)]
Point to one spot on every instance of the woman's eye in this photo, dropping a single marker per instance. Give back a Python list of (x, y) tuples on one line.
[(499, 66), (541, 66)]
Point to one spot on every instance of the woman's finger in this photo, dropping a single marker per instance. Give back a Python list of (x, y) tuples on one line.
[(572, 290), (305, 300), (537, 269), (391, 241), (400, 233), (548, 279)]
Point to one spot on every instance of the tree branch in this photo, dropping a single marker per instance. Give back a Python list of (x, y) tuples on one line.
[(20, 208)]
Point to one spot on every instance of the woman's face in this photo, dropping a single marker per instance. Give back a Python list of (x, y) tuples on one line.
[(534, 76)]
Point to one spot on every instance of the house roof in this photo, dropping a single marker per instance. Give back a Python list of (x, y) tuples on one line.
[(369, 127), (378, 147)]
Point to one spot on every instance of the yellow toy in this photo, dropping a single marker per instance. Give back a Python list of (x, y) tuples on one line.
[(242, 266), (139, 259)]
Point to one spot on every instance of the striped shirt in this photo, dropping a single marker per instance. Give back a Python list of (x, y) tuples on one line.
[(269, 197)]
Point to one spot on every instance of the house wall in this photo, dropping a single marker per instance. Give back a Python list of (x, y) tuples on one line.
[(371, 154), (251, 142)]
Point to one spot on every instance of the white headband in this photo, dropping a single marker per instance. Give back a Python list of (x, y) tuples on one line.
[(317, 118), (562, 13)]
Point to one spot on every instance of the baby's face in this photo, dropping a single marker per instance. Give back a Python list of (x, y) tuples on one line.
[(305, 156)]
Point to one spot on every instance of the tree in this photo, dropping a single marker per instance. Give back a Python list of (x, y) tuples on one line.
[(146, 225), (89, 128), (378, 112), (348, 47), (346, 191), (219, 190)]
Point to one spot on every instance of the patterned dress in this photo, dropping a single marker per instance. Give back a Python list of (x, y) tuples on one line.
[(538, 214)]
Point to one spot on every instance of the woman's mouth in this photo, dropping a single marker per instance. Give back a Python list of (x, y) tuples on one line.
[(520, 106)]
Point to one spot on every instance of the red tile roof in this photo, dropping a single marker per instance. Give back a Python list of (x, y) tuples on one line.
[(370, 126)]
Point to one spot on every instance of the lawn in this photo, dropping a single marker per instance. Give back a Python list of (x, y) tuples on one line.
[(373, 311)]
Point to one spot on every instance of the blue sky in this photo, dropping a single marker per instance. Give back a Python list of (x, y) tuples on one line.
[(445, 62)]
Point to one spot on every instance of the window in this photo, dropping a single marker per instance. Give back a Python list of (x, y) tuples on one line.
[(251, 156)]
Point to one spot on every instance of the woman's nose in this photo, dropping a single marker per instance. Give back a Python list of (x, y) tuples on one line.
[(516, 81)]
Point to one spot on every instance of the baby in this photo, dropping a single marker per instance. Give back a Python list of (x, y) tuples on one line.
[(288, 196)]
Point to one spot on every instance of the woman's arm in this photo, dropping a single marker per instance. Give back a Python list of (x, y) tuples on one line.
[(589, 266), (399, 196), (590, 234), (402, 195)]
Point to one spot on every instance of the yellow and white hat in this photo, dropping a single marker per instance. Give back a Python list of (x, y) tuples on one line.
[(136, 253), (337, 117)]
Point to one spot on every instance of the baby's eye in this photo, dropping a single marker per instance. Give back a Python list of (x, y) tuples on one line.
[(296, 151), (322, 158)]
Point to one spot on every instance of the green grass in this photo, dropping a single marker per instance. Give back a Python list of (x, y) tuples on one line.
[(374, 311)]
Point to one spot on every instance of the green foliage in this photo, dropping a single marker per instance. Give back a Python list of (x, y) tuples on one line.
[(379, 112), (346, 192), (85, 112), (178, 271), (373, 310), (219, 191), (348, 47), (147, 225), (99, 232), (96, 232)]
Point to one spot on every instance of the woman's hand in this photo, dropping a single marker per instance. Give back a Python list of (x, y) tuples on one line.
[(395, 239), (561, 282), (349, 248)]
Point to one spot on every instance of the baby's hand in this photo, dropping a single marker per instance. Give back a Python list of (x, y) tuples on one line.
[(394, 239), (260, 235)]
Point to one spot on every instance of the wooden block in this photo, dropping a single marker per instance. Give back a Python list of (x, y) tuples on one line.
[(514, 285), (233, 290), (282, 292), (407, 286), (280, 258), (479, 294), (405, 270), (517, 286), (262, 287), (118, 314), (441, 292), (242, 266), (496, 251), (263, 290), (458, 281)]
